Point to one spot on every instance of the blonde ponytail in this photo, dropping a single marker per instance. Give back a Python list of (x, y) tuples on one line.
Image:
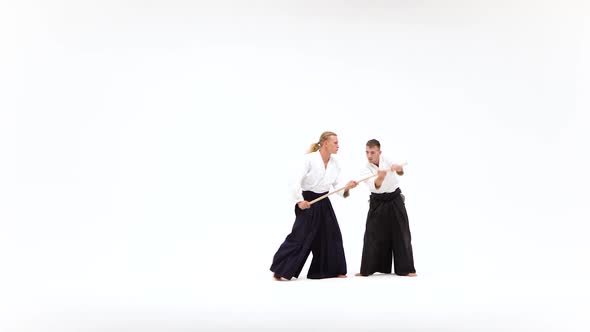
[(313, 147), (316, 146)]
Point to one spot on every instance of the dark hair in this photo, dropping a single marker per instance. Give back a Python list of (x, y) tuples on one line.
[(373, 142)]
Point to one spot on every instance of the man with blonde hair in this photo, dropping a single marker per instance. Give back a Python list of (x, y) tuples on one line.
[(316, 228)]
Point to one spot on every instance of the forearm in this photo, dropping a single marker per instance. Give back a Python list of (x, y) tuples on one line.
[(346, 193), (378, 182)]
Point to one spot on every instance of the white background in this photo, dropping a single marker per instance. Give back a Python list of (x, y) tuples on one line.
[(145, 149)]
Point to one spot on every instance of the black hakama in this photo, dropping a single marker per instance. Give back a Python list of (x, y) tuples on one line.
[(315, 230), (387, 231)]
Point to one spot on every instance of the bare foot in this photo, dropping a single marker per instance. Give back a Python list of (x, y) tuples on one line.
[(341, 276), (413, 274), (277, 278), (360, 275)]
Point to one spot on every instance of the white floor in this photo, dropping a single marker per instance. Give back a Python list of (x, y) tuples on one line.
[(431, 302)]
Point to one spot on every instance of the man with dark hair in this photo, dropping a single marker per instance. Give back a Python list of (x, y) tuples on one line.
[(387, 232)]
